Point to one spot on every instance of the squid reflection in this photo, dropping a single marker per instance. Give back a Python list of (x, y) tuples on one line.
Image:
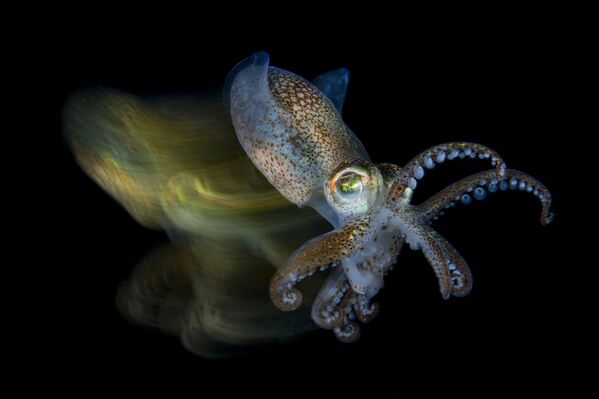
[(175, 164), (237, 235)]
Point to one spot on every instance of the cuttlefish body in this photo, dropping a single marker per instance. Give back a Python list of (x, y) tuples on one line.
[(293, 132)]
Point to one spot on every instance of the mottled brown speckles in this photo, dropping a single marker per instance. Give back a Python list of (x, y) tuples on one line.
[(319, 139), (315, 254)]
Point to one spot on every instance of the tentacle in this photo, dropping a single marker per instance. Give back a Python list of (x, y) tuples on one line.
[(347, 332), (347, 304), (478, 185), (326, 310), (395, 247), (451, 269), (414, 170), (460, 276), (365, 311), (315, 254), (330, 306), (336, 301), (344, 329), (437, 257)]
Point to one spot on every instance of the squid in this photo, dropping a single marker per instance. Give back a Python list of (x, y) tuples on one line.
[(293, 132)]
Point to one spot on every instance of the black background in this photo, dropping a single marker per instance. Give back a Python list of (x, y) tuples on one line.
[(503, 83)]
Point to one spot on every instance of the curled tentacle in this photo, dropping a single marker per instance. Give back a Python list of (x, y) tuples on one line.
[(365, 311), (415, 169), (331, 305), (315, 254), (336, 310), (347, 332), (337, 301), (326, 310), (478, 185)]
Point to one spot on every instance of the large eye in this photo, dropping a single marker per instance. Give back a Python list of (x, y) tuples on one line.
[(349, 184), (354, 188)]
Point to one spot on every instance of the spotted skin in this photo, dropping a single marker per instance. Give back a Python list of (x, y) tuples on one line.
[(316, 254), (295, 135), (288, 128)]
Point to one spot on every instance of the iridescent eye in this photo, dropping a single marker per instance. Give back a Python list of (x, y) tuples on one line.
[(353, 189), (349, 184)]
